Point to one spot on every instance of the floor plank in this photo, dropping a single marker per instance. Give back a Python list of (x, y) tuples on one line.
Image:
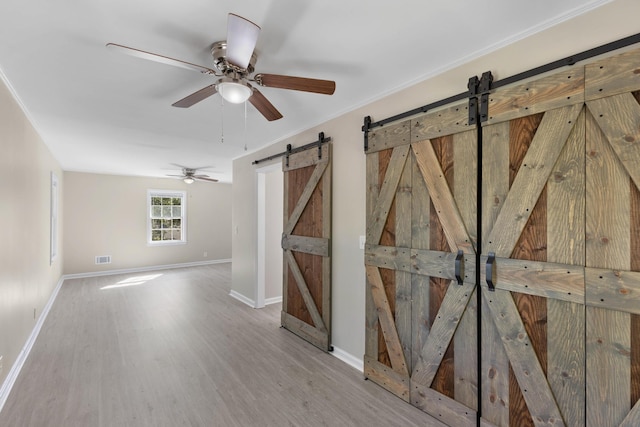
[(171, 348)]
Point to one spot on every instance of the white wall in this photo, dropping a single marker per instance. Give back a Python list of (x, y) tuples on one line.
[(608, 23), (106, 215), (27, 279), (274, 202)]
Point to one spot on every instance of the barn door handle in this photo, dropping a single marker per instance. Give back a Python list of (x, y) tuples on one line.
[(489, 270), (459, 270)]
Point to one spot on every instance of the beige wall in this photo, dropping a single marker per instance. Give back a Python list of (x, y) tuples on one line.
[(27, 279), (273, 234), (106, 215), (610, 22)]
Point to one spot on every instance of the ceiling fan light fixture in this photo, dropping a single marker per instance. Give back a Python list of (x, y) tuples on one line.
[(233, 91), (188, 180)]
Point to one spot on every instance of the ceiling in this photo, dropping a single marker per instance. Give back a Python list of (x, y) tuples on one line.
[(103, 112)]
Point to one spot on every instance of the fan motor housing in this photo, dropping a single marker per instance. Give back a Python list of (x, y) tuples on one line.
[(219, 54)]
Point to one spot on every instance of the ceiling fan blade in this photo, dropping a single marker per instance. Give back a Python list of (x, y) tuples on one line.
[(263, 105), (242, 36), (202, 178), (159, 58), (179, 176), (326, 87), (196, 97)]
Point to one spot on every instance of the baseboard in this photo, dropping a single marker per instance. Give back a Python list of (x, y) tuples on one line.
[(7, 385), (142, 269), (274, 300), (348, 358), (251, 303)]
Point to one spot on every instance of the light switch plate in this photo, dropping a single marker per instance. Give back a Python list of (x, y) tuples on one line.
[(363, 240)]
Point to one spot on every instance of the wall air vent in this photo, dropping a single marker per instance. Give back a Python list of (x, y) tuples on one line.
[(103, 259)]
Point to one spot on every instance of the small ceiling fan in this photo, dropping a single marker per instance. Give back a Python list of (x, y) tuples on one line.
[(189, 175), (234, 60)]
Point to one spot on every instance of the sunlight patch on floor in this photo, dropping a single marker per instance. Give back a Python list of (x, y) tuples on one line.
[(132, 281)]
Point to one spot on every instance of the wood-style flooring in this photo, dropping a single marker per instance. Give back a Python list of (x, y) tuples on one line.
[(171, 348)]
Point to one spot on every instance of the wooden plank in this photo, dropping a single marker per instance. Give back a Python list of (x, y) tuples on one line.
[(371, 315), (386, 319), (390, 257), (442, 331), (419, 315), (619, 119), (613, 75), (517, 344), (494, 378), (304, 291), (387, 194), (308, 245), (441, 197), (441, 264), (384, 376), (607, 190), (389, 136), (563, 282), (305, 158), (466, 360), (327, 222), (304, 198), (565, 244), (544, 94), (446, 121), (633, 417), (608, 367), (613, 289), (403, 279), (531, 179), (420, 205), (305, 331), (285, 218), (485, 423), (608, 334), (442, 407), (465, 156), (495, 174), (634, 265)]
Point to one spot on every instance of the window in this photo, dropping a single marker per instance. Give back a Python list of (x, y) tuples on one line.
[(167, 217)]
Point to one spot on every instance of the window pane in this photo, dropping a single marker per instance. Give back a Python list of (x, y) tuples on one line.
[(166, 211), (156, 211), (155, 200), (177, 234), (155, 235), (166, 223), (166, 234), (176, 223), (156, 224), (176, 201), (177, 211), (166, 201)]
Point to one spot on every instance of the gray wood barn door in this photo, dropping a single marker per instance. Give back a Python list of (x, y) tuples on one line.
[(533, 210), (306, 242), (421, 212)]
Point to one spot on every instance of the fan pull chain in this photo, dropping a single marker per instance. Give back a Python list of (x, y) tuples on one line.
[(222, 120), (245, 125)]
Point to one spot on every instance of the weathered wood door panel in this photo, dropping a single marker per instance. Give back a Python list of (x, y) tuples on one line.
[(613, 241), (421, 327), (533, 226), (306, 302)]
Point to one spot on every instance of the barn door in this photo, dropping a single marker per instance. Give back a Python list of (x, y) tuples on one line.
[(533, 249), (532, 274), (420, 263), (612, 91), (306, 298)]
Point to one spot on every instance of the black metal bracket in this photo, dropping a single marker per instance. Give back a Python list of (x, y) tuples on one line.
[(320, 142), (473, 84), (288, 153), (365, 129), (459, 266), (486, 84), (490, 270)]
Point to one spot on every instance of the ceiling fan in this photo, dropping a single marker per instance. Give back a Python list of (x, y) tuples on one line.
[(234, 60), (189, 175)]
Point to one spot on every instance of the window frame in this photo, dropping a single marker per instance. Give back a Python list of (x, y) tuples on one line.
[(183, 217)]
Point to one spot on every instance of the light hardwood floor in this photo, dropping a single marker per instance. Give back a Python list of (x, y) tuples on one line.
[(171, 348)]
